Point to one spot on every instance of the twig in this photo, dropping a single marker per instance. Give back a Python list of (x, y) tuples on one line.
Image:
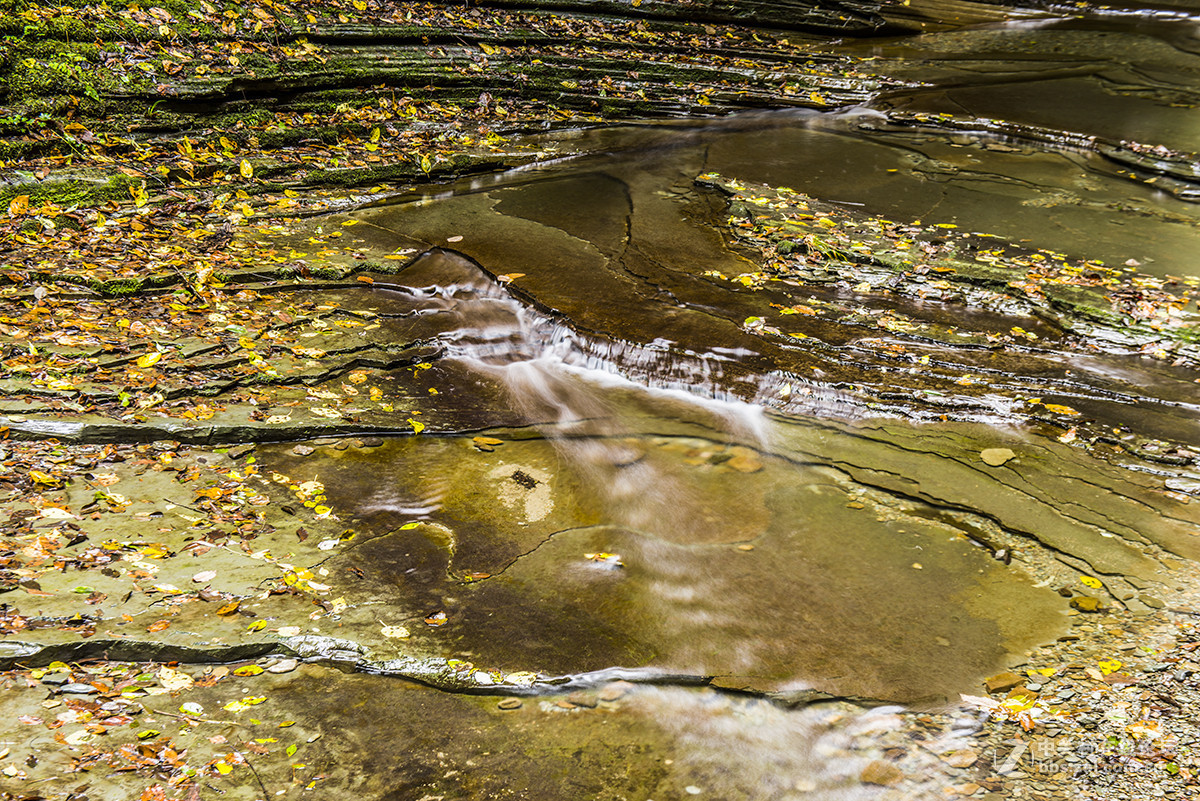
[(195, 719), (261, 786)]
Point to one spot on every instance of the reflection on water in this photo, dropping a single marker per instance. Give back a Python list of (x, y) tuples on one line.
[(606, 536), (683, 491)]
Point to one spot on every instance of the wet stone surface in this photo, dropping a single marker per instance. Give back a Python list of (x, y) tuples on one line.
[(648, 472), (734, 566)]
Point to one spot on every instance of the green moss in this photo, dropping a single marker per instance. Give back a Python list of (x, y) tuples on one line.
[(72, 193), (118, 287), (364, 176), (53, 70), (11, 150), (329, 272)]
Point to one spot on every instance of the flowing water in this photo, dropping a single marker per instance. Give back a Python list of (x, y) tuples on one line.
[(624, 476)]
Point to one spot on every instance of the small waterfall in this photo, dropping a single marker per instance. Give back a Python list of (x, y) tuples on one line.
[(553, 372)]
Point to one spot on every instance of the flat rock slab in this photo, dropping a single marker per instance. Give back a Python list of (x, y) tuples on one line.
[(237, 731), (562, 557)]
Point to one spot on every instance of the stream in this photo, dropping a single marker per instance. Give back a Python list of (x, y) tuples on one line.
[(644, 473), (673, 496), (712, 458)]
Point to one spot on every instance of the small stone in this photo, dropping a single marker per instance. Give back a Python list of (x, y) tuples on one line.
[(1022, 694), (692, 789), (284, 666), (1120, 679), (56, 679), (1003, 682), (586, 700), (78, 689), (370, 442), (302, 450), (614, 691), (882, 773), (745, 463), (628, 454), (961, 759), (995, 457), (509, 703), (1086, 603), (1151, 601)]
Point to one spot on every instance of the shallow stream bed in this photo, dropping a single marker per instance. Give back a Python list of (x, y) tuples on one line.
[(720, 459)]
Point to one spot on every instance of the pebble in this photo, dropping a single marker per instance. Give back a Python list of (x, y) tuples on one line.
[(284, 666), (882, 773), (510, 703), (995, 457), (1003, 682), (614, 691), (586, 700), (745, 463), (302, 450), (961, 759), (78, 689)]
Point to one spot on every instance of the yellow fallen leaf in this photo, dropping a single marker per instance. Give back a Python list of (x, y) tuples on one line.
[(18, 206), (149, 360), (1057, 409), (1090, 582), (417, 427), (246, 169)]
